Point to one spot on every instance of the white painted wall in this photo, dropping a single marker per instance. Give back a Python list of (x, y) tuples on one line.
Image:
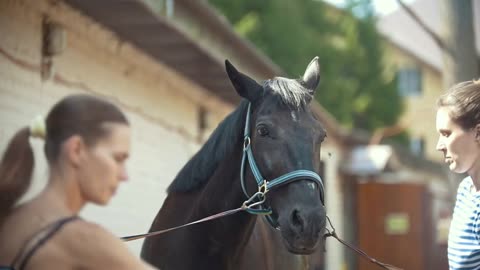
[(335, 256)]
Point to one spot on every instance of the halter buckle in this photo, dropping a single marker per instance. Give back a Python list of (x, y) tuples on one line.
[(263, 188), (246, 143)]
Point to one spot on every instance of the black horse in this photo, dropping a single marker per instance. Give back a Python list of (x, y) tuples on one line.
[(285, 136)]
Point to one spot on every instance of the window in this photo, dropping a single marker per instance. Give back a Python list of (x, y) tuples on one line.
[(409, 82)]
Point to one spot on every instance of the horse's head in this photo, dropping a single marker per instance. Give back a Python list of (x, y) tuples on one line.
[(286, 137)]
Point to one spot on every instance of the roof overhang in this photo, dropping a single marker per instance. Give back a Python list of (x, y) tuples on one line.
[(136, 22)]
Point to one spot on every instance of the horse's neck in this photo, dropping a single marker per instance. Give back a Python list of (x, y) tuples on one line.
[(223, 192)]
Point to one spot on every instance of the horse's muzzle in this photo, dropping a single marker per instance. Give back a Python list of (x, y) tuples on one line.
[(304, 229)]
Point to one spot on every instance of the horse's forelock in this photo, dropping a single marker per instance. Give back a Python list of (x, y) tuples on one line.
[(291, 91)]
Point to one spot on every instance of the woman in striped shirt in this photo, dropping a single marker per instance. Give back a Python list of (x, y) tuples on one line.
[(458, 125)]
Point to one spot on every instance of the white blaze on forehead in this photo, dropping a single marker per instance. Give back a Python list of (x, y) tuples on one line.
[(312, 185), (294, 116)]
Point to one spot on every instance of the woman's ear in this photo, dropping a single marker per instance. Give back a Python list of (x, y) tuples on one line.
[(477, 132), (74, 150)]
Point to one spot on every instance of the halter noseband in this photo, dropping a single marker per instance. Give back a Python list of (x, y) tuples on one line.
[(264, 185)]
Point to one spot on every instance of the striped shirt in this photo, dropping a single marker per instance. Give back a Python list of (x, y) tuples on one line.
[(464, 234)]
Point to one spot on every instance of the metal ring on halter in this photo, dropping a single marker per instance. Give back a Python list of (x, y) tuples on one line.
[(246, 143)]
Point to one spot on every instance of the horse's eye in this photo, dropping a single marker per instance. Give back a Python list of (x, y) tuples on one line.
[(262, 130)]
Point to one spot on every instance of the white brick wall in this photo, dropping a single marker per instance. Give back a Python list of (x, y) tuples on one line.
[(161, 105)]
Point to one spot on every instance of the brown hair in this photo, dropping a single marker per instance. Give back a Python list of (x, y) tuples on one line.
[(464, 100), (82, 115)]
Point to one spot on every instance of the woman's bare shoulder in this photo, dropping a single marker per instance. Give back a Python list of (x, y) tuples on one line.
[(87, 231), (96, 247)]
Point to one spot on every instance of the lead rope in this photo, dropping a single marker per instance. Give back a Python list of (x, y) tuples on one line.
[(145, 235), (333, 234), (249, 206)]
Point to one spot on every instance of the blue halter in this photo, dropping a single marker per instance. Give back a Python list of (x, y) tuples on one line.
[(263, 185)]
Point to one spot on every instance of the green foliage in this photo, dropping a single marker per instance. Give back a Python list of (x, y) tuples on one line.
[(353, 86)]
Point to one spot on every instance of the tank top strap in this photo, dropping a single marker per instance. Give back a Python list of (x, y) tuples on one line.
[(37, 241)]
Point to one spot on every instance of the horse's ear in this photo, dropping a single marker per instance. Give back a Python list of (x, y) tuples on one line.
[(246, 87), (311, 78)]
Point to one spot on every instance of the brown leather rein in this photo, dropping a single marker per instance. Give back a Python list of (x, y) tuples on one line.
[(246, 207), (333, 234)]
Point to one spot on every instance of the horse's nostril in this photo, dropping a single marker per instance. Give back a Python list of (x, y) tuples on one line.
[(297, 220)]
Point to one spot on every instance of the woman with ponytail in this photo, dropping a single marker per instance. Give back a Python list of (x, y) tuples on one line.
[(87, 143)]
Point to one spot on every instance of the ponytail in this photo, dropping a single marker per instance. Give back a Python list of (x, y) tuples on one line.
[(16, 170)]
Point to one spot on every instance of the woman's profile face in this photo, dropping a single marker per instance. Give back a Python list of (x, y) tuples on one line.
[(460, 148), (105, 165)]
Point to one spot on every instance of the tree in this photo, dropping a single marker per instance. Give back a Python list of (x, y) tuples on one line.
[(459, 55), (353, 87)]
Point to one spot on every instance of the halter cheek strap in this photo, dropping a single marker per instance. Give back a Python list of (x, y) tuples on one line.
[(264, 185)]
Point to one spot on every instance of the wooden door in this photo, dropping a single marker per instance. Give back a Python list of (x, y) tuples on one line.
[(394, 225)]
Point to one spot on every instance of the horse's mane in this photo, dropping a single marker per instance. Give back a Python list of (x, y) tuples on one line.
[(221, 143)]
